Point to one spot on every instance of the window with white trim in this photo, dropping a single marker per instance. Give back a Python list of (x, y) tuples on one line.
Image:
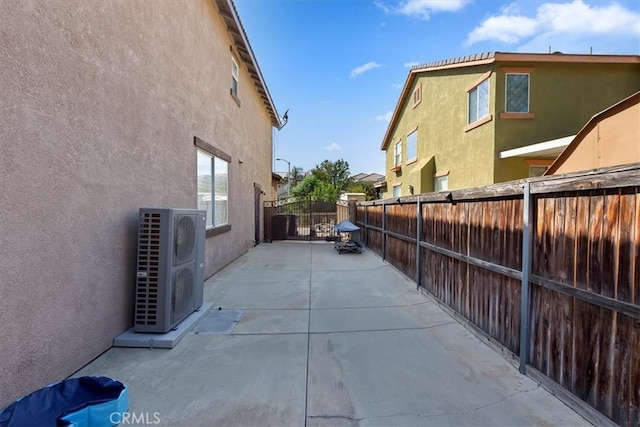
[(234, 77), (479, 102), (412, 146), (397, 153), (441, 183), (397, 190), (213, 188), (517, 93)]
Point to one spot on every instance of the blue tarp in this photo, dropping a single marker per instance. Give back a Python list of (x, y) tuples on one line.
[(346, 227), (84, 401)]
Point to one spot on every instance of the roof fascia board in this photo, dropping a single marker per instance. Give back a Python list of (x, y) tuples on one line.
[(534, 149), (563, 57)]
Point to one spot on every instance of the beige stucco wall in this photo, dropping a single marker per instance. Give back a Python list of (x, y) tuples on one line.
[(613, 141), (100, 103)]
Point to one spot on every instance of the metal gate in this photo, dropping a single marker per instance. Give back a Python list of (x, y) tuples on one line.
[(303, 219)]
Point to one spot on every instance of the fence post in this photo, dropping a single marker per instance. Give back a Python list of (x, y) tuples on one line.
[(418, 236), (525, 302), (384, 232), (366, 225)]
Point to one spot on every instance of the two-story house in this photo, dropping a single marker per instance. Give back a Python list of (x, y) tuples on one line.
[(494, 117), (109, 107)]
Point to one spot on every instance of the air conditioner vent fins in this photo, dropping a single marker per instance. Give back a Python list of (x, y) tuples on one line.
[(170, 267)]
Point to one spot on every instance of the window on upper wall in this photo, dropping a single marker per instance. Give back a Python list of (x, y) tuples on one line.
[(397, 153), (412, 146), (397, 190), (479, 102), (417, 95), (234, 77), (213, 188), (517, 93)]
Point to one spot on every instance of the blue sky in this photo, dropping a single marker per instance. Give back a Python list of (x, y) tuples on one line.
[(338, 66)]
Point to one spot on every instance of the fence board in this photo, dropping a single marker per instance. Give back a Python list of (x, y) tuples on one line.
[(610, 243), (635, 284), (626, 251), (596, 209), (582, 245)]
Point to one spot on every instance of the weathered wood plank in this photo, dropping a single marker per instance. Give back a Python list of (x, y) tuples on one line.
[(608, 320), (610, 243), (634, 374), (582, 245), (567, 340), (635, 284), (592, 353), (626, 246), (596, 209)]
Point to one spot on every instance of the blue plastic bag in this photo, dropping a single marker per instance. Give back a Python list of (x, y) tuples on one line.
[(78, 402)]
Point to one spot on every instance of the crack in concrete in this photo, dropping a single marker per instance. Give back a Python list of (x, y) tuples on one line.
[(435, 415)]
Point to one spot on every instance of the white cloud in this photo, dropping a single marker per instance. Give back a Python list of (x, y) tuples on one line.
[(333, 147), (574, 18), (364, 68), (422, 9), (411, 64), (386, 117), (507, 29)]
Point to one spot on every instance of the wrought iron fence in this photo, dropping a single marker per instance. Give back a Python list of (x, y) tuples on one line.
[(298, 218)]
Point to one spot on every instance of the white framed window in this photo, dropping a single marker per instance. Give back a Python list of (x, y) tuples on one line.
[(213, 188), (397, 153), (234, 77), (441, 183), (412, 146), (479, 102), (397, 190), (517, 93)]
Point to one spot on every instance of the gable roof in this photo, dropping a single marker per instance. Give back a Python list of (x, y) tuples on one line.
[(367, 177), (229, 13), (492, 57), (589, 126)]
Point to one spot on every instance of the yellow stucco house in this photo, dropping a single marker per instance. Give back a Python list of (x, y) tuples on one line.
[(487, 118)]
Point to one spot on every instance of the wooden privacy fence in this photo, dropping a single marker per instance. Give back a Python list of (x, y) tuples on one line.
[(548, 267)]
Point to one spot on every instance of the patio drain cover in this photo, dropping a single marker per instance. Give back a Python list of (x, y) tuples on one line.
[(218, 322)]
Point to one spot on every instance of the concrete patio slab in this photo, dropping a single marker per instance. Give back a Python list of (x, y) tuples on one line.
[(328, 340)]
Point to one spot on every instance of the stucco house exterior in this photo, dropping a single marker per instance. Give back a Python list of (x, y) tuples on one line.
[(457, 120), (108, 107), (610, 138)]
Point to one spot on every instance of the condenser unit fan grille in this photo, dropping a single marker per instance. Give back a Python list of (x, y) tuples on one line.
[(184, 242), (182, 293), (148, 269)]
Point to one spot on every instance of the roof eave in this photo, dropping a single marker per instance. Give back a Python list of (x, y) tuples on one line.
[(230, 16)]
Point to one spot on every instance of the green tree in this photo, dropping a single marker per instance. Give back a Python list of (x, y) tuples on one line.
[(296, 176), (334, 173), (364, 187), (313, 187)]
